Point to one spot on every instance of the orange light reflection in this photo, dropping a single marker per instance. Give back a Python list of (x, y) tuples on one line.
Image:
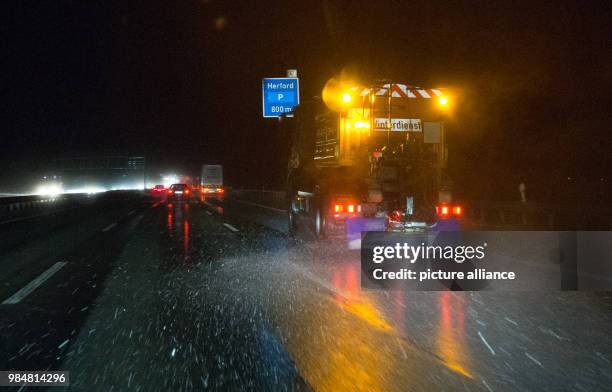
[(450, 340)]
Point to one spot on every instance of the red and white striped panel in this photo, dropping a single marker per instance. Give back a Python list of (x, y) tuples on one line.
[(404, 91)]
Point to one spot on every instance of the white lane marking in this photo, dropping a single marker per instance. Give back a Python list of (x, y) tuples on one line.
[(487, 385), (486, 343), (208, 213), (107, 228), (33, 285), (131, 212), (63, 344), (259, 205), (511, 321), (534, 360), (232, 228)]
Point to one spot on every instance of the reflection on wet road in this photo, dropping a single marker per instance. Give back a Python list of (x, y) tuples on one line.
[(184, 302)]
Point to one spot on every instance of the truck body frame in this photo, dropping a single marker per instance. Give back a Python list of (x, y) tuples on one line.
[(383, 156)]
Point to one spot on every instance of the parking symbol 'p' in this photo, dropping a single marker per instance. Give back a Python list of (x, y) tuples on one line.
[(281, 96)]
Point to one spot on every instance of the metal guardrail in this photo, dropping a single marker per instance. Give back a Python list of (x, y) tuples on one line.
[(19, 206), (487, 214), (16, 204)]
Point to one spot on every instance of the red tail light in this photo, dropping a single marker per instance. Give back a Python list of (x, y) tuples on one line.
[(187, 191), (396, 216), (341, 208), (445, 211), (442, 211), (170, 191)]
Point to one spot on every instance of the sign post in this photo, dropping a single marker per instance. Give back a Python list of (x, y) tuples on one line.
[(280, 96)]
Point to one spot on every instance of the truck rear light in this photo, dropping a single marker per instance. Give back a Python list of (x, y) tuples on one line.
[(338, 208), (351, 208), (445, 211), (219, 189), (442, 211), (396, 216)]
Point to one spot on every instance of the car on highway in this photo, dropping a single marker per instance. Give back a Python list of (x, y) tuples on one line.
[(158, 191), (179, 192)]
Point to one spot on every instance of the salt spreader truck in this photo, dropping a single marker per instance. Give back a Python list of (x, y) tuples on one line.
[(370, 158)]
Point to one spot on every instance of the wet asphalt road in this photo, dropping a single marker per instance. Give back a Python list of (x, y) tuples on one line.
[(215, 296)]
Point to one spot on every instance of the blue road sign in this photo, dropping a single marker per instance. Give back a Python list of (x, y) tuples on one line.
[(280, 96)]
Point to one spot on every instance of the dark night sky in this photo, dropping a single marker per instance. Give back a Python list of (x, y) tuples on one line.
[(171, 79)]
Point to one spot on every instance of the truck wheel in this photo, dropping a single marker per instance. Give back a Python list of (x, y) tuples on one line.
[(319, 224)]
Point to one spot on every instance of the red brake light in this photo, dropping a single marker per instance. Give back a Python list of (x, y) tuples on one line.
[(187, 191), (338, 208), (170, 191), (442, 211), (396, 216)]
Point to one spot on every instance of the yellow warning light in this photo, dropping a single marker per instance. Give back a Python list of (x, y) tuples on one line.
[(346, 98), (443, 100), (362, 124)]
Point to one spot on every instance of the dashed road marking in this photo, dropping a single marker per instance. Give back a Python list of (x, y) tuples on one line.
[(511, 321), (107, 228), (534, 360), (232, 228), (486, 343), (33, 285), (208, 213), (487, 385), (131, 212), (260, 205)]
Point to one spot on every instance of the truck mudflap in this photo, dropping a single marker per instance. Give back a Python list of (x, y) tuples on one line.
[(448, 224), (355, 226)]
